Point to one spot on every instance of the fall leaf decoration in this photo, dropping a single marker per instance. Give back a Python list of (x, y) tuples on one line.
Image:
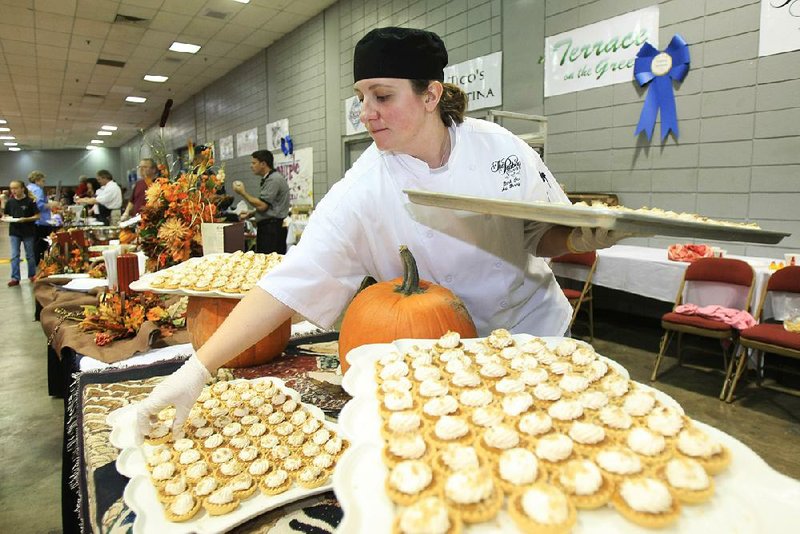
[(66, 259)]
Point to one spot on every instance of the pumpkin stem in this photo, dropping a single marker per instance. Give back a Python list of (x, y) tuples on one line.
[(410, 283)]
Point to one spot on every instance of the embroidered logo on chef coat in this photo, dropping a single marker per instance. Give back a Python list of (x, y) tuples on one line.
[(544, 178), (510, 168)]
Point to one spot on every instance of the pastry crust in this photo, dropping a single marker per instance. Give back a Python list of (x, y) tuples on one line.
[(526, 524)]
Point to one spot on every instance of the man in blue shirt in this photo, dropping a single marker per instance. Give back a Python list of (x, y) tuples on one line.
[(43, 226)]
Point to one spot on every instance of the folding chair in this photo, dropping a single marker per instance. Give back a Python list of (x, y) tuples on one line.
[(728, 276), (577, 298), (770, 337)]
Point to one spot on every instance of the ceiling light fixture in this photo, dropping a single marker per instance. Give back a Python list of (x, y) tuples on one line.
[(9, 137), (155, 78), (103, 132), (11, 144), (14, 148), (184, 47), (5, 129), (3, 121), (136, 99), (242, 1), (92, 147), (109, 128), (97, 141)]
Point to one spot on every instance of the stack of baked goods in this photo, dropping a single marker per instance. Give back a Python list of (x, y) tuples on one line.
[(226, 273), (470, 430), (242, 436), (668, 214)]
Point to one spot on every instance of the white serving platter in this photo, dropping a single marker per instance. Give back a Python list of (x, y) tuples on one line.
[(144, 283), (579, 216), (140, 494), (750, 496), (67, 276)]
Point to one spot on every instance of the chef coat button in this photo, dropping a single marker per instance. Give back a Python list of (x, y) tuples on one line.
[(504, 304), (448, 278), (497, 265), (430, 233)]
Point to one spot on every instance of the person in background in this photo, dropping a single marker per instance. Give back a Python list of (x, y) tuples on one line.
[(82, 190), (271, 206), (108, 199), (44, 226), (22, 207), (148, 172)]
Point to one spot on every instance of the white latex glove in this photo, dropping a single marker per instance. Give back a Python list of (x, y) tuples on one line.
[(180, 390), (586, 239)]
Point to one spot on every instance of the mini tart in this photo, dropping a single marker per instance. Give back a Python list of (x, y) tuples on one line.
[(480, 511), (714, 464), (686, 495), (566, 478), (646, 519), (180, 504), (510, 486), (220, 508), (510, 436), (391, 459), (465, 439), (640, 439), (527, 524), (421, 515), (243, 486), (411, 468), (276, 475), (172, 488), (460, 456), (311, 477), (158, 435)]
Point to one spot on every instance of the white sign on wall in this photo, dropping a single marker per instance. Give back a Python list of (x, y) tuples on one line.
[(275, 132), (226, 148), (298, 168), (352, 114), (481, 78), (780, 27), (599, 54), (247, 142)]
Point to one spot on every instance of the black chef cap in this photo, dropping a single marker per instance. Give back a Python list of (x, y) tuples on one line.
[(405, 53)]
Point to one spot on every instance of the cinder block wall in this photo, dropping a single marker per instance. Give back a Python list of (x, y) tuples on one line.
[(738, 154)]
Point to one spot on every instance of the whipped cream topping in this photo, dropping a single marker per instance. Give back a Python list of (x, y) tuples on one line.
[(545, 504), (596, 370), (205, 486), (427, 373), (619, 461), (664, 420), (183, 504), (393, 370), (466, 379), (280, 452), (197, 470), (289, 406), (223, 495), (583, 356), (407, 446), (231, 468), (203, 433), (451, 354), (476, 397), (159, 455), (311, 425), (433, 388), (586, 433), (615, 386), (164, 471), (183, 444), (394, 401), (248, 420), (231, 429), (296, 439), (547, 392), (469, 486), (518, 466), (560, 367), (501, 437), (646, 495), (258, 429), (646, 442), (685, 473), (189, 457), (426, 516), (439, 406), (175, 486), (321, 436), (546, 357), (298, 418), (275, 418), (593, 400), (458, 457), (534, 377), (248, 454), (268, 442), (509, 353), (390, 357), (517, 403), (450, 340), (259, 467), (696, 443), (410, 477), (158, 431), (487, 416), (509, 385), (323, 461), (424, 359), (449, 428), (566, 410), (533, 346), (535, 423), (276, 478), (241, 482), (499, 339), (566, 348), (458, 364), (334, 445), (493, 370), (615, 417), (580, 477), (310, 449), (405, 421), (398, 385), (554, 447), (638, 403), (573, 383), (523, 363)]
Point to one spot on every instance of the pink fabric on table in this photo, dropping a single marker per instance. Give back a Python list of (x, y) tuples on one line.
[(738, 319), (688, 253)]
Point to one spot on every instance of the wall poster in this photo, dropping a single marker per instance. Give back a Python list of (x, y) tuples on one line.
[(226, 148), (481, 78), (246, 142), (298, 168), (599, 54), (275, 132), (352, 116), (780, 27)]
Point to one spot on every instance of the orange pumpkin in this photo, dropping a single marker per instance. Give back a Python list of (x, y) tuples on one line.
[(203, 317), (405, 307)]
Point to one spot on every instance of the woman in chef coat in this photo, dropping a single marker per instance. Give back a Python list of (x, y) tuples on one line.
[(421, 141)]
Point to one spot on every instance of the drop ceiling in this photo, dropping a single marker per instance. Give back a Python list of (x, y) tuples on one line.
[(66, 66)]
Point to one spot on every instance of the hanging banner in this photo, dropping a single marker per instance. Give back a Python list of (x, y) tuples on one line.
[(298, 168), (481, 78), (246, 142), (657, 71), (780, 27), (275, 132), (352, 116), (599, 54), (226, 148)]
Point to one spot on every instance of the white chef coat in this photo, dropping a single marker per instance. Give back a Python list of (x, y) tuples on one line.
[(358, 227), (110, 196)]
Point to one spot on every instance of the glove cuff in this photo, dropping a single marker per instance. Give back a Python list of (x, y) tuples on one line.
[(195, 362), (570, 247)]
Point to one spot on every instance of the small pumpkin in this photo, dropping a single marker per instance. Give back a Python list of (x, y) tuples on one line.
[(203, 317), (405, 307)]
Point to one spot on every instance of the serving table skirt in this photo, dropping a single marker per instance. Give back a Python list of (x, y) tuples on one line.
[(99, 486)]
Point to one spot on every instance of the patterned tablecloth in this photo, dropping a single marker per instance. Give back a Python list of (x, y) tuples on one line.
[(100, 486)]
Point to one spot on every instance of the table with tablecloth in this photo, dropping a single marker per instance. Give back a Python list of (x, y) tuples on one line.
[(649, 273)]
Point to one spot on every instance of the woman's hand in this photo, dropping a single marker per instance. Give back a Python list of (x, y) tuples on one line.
[(180, 390)]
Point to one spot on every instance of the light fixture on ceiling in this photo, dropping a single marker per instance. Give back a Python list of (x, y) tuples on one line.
[(136, 99), (92, 147), (8, 137), (14, 148), (242, 1), (155, 78), (184, 47), (2, 129), (3, 121), (97, 141), (10, 144), (103, 132), (108, 127)]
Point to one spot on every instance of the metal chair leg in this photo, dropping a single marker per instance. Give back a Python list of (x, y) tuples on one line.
[(591, 321), (665, 339), (680, 348), (729, 365), (740, 366)]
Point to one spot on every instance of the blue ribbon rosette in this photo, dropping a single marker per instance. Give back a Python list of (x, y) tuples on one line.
[(661, 68), (287, 146)]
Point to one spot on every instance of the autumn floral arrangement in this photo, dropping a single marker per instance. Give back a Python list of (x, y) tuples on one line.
[(65, 256), (120, 316), (169, 232)]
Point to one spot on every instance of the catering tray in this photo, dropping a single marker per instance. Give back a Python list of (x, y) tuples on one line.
[(140, 494), (577, 216), (144, 284), (750, 496)]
